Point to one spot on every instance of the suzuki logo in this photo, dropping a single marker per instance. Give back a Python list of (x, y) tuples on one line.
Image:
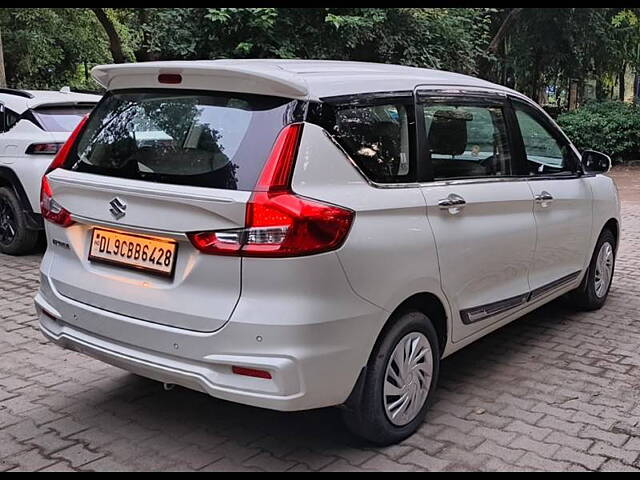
[(118, 208)]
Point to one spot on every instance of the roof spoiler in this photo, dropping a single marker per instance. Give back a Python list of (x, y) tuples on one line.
[(19, 93), (203, 75)]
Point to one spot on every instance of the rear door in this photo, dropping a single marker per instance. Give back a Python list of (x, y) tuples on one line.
[(150, 167), (563, 201), (480, 210)]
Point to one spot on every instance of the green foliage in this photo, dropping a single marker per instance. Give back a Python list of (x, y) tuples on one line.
[(45, 47), (48, 47), (551, 46), (609, 127)]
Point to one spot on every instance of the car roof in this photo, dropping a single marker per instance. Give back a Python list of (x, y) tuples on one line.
[(21, 100), (304, 79)]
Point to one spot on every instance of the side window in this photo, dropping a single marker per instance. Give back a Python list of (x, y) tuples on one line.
[(467, 141), (377, 138), (544, 153), (8, 119)]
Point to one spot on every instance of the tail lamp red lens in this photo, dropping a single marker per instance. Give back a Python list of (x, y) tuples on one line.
[(43, 148), (279, 223), (51, 210)]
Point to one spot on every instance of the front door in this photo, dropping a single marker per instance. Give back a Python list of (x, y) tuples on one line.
[(563, 203), (479, 209)]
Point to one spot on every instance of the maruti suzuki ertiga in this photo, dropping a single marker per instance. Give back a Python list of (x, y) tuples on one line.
[(303, 234)]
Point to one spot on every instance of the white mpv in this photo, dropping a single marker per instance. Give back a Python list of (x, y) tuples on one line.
[(302, 234)]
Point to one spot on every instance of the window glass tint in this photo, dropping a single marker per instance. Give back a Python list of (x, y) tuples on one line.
[(208, 140), (467, 141), (376, 138), (10, 119), (60, 119), (544, 153)]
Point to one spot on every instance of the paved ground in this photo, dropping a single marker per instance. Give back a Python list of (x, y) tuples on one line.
[(555, 390)]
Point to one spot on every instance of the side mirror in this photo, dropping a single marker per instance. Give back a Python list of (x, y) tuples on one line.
[(597, 162)]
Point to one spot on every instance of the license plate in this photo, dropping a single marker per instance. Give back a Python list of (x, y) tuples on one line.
[(153, 255)]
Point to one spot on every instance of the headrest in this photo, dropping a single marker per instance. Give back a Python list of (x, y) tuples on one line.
[(448, 132)]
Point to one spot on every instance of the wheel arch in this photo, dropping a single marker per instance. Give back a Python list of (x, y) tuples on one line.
[(614, 226), (426, 302), (9, 179), (433, 307)]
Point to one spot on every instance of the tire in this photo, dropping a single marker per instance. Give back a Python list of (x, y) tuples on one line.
[(15, 237), (592, 293), (368, 417)]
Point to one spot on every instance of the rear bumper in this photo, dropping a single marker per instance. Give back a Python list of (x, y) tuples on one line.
[(312, 364)]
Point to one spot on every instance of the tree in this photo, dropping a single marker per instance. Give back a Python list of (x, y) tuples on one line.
[(47, 47), (3, 77), (535, 48), (503, 30), (427, 37), (115, 44)]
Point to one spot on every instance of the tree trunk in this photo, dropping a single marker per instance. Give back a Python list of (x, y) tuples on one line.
[(535, 79), (115, 44), (504, 29), (3, 76), (623, 70), (142, 54)]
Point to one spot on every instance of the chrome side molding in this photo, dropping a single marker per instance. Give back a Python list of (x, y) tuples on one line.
[(483, 312)]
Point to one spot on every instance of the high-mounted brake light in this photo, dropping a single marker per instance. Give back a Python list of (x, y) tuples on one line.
[(279, 223), (51, 210), (171, 78)]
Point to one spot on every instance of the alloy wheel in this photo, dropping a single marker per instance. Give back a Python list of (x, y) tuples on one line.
[(8, 227)]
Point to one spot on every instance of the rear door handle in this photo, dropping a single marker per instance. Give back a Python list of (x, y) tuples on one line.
[(454, 204), (544, 199)]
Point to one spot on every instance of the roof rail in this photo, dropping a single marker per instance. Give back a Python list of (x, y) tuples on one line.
[(19, 93)]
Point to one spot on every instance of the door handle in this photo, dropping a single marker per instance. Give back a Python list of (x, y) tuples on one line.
[(453, 203), (544, 199)]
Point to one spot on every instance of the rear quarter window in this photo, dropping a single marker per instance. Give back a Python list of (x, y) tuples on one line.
[(206, 139), (376, 137)]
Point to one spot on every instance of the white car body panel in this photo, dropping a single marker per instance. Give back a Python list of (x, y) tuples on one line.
[(312, 321), (485, 251), (193, 299), (384, 217), (29, 169), (563, 230), (301, 79)]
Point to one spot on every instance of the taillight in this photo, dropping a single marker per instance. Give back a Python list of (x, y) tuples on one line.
[(43, 148), (50, 209), (278, 222)]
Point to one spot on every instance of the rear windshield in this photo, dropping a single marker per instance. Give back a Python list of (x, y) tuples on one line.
[(60, 119), (217, 140)]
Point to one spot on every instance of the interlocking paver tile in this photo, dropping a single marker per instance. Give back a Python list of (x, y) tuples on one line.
[(555, 390)]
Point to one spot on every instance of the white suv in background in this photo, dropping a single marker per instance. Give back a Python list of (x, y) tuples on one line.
[(302, 234), (33, 126)]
